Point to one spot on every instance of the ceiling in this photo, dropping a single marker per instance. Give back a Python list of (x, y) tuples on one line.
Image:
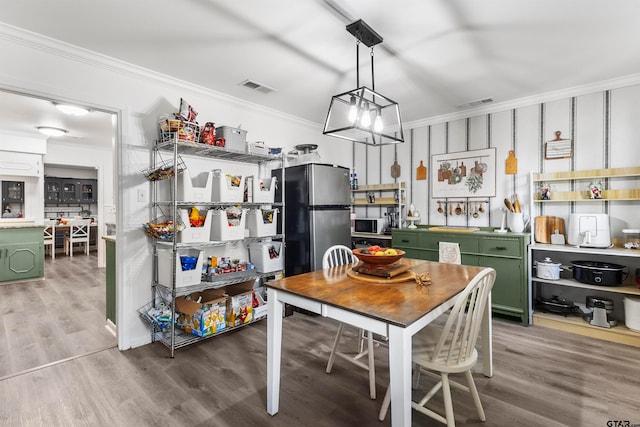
[(436, 54)]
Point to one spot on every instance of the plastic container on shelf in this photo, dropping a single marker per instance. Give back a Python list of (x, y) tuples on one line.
[(262, 222), (189, 276), (194, 234), (227, 187), (266, 256), (224, 228), (263, 189), (195, 189), (235, 138), (631, 238), (632, 313)]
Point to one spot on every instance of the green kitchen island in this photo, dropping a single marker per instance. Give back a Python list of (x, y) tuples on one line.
[(21, 251)]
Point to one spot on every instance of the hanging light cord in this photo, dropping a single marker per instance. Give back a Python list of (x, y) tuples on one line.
[(357, 63), (373, 81)]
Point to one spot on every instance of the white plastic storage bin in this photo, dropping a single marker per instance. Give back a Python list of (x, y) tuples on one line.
[(234, 138), (191, 234), (262, 222), (188, 277), (196, 189), (266, 256), (223, 228), (632, 313), (263, 190), (227, 187)]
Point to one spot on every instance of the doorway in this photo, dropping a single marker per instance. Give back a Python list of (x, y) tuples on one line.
[(63, 316)]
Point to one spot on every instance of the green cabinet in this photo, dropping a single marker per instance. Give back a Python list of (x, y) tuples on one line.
[(111, 277), (506, 253), (21, 253)]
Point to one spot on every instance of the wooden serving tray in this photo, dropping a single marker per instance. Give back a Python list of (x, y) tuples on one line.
[(404, 277)]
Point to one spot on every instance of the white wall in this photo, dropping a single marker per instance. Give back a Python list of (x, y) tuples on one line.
[(139, 97), (603, 125)]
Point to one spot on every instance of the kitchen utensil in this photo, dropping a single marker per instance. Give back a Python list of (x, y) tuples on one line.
[(548, 269), (421, 172), (545, 226), (511, 164), (557, 238), (440, 210), (475, 211), (450, 209), (458, 209), (516, 205), (508, 204), (395, 167), (481, 208), (598, 273)]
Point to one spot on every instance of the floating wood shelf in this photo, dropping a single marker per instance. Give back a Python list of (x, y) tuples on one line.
[(587, 174), (379, 187)]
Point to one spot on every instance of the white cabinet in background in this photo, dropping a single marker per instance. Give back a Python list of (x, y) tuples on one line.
[(20, 164)]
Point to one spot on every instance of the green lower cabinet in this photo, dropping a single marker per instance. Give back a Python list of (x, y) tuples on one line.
[(507, 254), (111, 278), (21, 254)]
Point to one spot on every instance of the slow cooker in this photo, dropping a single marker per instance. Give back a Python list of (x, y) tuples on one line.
[(597, 273)]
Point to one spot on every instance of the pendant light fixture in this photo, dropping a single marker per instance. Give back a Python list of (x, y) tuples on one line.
[(362, 114)]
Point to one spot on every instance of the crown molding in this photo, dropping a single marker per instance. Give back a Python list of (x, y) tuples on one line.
[(586, 89), (71, 52)]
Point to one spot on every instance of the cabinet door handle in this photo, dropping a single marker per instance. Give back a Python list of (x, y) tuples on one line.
[(404, 241), (501, 248)]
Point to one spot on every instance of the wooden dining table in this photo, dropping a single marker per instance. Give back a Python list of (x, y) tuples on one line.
[(393, 310)]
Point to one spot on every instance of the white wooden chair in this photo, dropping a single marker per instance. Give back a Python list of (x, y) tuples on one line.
[(50, 237), (333, 257), (439, 352), (78, 233)]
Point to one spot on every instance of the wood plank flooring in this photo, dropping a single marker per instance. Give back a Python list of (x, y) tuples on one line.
[(542, 377)]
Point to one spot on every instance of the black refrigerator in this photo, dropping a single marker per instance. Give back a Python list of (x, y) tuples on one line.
[(317, 207)]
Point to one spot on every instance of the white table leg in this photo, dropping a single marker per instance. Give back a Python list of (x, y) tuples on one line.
[(487, 342), (400, 375), (274, 350)]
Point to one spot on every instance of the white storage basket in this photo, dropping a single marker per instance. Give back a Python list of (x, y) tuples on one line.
[(227, 188), (191, 234), (261, 256), (183, 278), (262, 222), (263, 190), (196, 189), (223, 230)]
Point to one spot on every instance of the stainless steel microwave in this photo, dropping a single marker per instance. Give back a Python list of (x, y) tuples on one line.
[(370, 225)]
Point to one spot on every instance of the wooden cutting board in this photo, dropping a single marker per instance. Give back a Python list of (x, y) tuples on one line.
[(421, 172), (404, 277), (545, 226)]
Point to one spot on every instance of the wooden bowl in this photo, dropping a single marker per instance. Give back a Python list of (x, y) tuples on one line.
[(377, 259)]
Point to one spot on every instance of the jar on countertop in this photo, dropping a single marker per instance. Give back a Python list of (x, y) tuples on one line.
[(631, 238)]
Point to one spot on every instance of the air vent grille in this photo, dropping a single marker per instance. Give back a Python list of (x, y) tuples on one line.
[(476, 103), (259, 87)]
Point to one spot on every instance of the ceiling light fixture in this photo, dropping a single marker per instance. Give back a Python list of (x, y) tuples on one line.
[(51, 131), (72, 110), (350, 113)]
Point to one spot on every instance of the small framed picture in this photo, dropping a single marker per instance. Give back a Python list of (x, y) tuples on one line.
[(558, 148)]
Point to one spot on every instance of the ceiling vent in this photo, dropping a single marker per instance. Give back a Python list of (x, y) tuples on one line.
[(476, 103), (259, 87)]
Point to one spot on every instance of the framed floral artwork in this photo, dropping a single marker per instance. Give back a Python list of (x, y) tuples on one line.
[(464, 174)]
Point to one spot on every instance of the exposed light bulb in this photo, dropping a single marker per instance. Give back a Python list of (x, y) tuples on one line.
[(353, 110), (366, 116), (377, 123)]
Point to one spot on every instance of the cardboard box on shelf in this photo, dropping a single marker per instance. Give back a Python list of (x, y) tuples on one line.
[(239, 303), (202, 313)]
